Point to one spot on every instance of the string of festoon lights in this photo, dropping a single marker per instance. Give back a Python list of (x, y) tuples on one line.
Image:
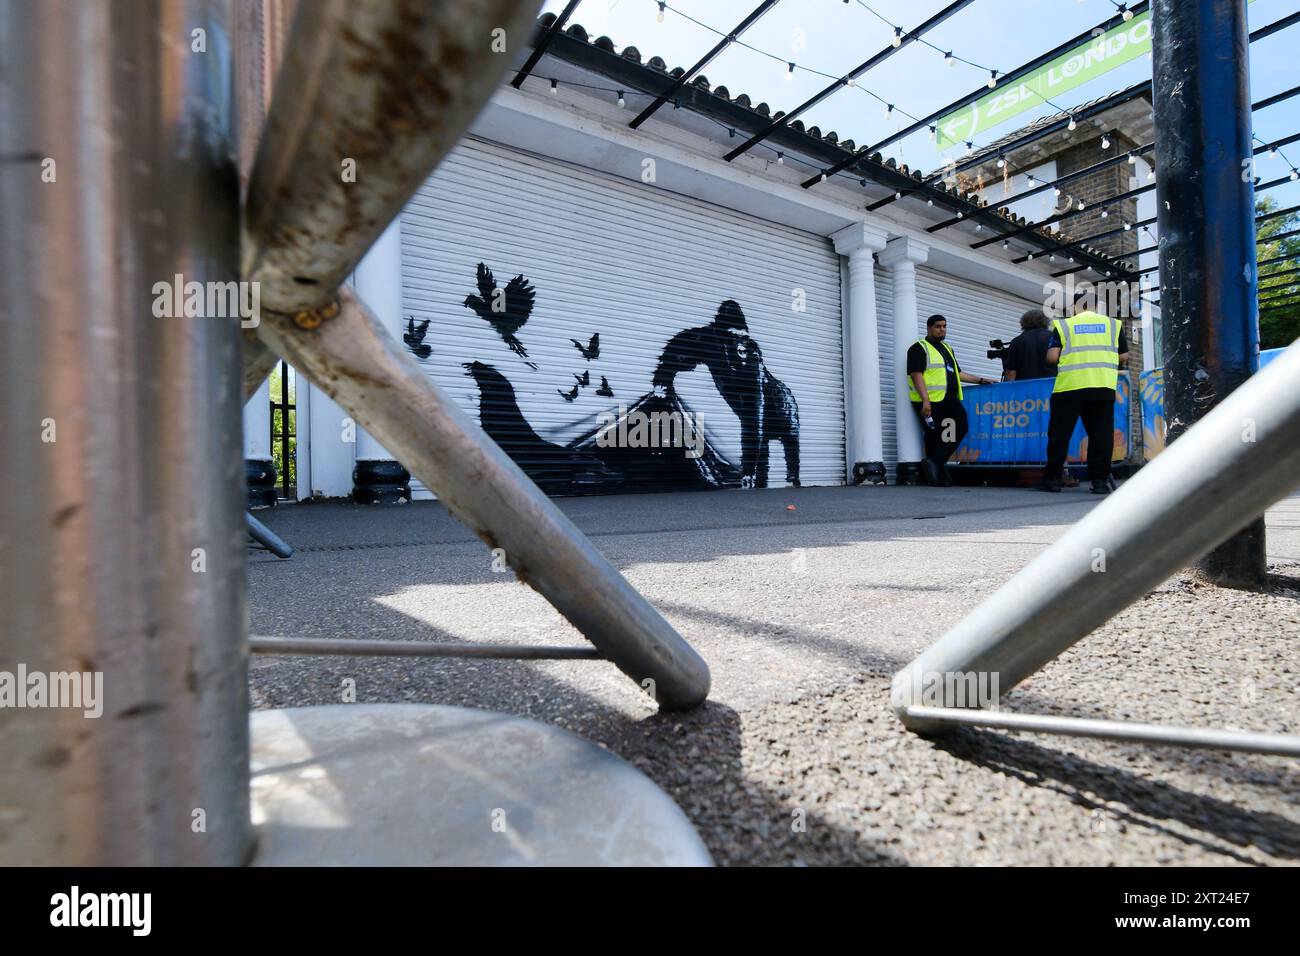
[(900, 34), (1275, 152)]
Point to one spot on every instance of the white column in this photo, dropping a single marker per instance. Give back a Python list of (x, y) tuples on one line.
[(259, 468), (378, 281), (865, 453), (901, 257), (257, 424)]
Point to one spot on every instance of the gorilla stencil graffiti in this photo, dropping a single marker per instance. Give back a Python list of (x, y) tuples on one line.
[(657, 441)]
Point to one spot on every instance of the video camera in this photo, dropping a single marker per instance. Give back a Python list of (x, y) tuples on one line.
[(998, 350)]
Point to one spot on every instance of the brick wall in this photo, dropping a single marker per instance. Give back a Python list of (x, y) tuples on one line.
[(1098, 186)]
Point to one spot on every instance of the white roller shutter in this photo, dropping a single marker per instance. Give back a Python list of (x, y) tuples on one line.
[(976, 314), (636, 265)]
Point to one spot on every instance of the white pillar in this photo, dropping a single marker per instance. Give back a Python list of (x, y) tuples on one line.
[(378, 281), (866, 450), (901, 256), (259, 462)]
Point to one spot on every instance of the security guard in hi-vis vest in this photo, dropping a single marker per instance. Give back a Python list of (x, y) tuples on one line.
[(1088, 349), (934, 383)]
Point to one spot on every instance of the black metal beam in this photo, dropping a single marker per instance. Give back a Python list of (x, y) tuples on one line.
[(1280, 275), (1279, 212), (1280, 235), (1069, 214), (1278, 144), (1283, 258), (1276, 98), (1011, 77), (1137, 225), (885, 54), (1068, 248), (540, 46), (704, 61), (1280, 301), (1275, 26)]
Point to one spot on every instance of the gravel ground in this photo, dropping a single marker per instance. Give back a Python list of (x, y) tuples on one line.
[(803, 615)]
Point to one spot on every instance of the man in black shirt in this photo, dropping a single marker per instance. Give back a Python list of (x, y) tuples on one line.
[(1027, 353), (934, 383)]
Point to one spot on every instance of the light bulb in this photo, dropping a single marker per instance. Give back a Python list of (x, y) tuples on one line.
[(889, 111), (1128, 227), (850, 82), (1056, 191), (1105, 142), (932, 131), (789, 74), (1294, 175), (898, 37), (780, 159), (1128, 14), (555, 87), (1080, 205), (1001, 162), (993, 79), (659, 17), (1105, 213), (621, 102), (970, 147), (1132, 160), (947, 58), (1073, 125)]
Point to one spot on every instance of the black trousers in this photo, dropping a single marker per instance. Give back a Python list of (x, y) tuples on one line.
[(1097, 408), (949, 410)]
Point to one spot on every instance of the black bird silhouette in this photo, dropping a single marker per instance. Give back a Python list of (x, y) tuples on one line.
[(505, 310), (584, 379), (604, 389), (592, 350), (414, 338), (570, 395)]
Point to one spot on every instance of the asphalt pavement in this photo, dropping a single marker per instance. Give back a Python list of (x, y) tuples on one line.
[(804, 602)]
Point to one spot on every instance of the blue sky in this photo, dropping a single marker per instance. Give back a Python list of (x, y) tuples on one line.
[(996, 34)]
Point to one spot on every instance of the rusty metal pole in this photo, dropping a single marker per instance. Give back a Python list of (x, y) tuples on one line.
[(121, 513), (1206, 211)]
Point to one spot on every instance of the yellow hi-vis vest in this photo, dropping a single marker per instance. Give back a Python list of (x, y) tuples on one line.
[(936, 373), (1089, 352)]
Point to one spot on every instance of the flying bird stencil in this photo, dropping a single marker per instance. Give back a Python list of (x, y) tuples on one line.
[(506, 310)]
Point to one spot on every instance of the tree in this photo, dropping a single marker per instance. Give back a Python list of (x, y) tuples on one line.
[(1279, 285)]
